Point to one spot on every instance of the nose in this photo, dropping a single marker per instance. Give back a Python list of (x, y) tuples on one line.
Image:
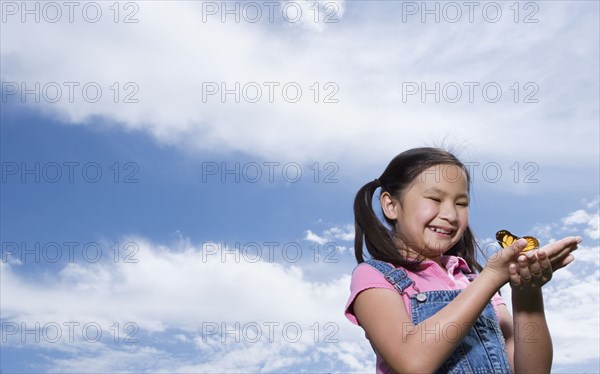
[(448, 212)]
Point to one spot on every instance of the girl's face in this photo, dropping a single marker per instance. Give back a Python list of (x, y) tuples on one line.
[(434, 212)]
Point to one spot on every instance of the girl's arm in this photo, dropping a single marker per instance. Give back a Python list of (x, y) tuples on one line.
[(528, 341), (383, 316), (533, 344)]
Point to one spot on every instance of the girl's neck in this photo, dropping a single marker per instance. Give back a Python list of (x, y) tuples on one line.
[(414, 256)]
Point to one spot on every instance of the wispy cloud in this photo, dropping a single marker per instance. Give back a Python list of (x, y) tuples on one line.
[(363, 60), (186, 305), (230, 315), (195, 312), (589, 219), (343, 233)]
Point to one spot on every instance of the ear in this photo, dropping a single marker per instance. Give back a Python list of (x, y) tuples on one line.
[(390, 206)]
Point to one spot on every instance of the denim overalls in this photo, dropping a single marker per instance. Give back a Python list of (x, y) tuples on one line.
[(482, 350)]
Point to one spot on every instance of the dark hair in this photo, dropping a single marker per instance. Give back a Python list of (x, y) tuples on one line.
[(398, 175)]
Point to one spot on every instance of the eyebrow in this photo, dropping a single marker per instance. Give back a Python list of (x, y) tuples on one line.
[(437, 190)]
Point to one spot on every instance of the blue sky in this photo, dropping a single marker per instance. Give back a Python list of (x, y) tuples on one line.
[(201, 234)]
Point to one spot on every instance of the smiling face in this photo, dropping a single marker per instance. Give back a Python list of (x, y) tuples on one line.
[(433, 213)]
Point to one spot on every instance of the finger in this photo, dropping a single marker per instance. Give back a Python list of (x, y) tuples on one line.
[(524, 272), (546, 266), (544, 260), (559, 258), (535, 269), (516, 247), (514, 278), (570, 258), (533, 263), (563, 246), (560, 255)]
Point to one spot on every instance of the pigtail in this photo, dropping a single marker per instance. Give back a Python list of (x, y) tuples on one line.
[(365, 221), (377, 238)]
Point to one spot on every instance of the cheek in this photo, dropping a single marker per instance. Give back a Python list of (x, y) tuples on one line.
[(463, 216), (427, 211)]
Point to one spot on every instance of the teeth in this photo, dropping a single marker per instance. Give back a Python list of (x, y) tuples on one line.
[(436, 229)]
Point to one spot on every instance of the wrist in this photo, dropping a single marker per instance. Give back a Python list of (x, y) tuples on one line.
[(497, 278), (526, 293), (529, 299)]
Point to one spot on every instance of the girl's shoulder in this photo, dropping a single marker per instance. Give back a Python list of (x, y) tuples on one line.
[(366, 273), (373, 275), (364, 277), (374, 269)]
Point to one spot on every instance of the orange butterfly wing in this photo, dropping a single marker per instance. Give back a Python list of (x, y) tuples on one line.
[(505, 238)]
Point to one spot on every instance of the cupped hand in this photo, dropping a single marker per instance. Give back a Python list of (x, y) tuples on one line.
[(532, 270), (559, 252), (498, 264)]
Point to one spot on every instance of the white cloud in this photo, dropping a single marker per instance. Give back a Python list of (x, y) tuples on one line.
[(591, 219), (367, 56), (344, 233), (171, 292), (332, 237), (579, 216), (593, 203), (332, 234), (186, 295), (172, 277), (311, 236)]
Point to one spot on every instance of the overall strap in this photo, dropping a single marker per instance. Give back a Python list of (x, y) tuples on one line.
[(397, 277)]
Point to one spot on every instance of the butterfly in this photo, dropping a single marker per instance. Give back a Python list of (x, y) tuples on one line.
[(505, 238)]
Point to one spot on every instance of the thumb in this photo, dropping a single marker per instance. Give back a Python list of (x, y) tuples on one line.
[(518, 246)]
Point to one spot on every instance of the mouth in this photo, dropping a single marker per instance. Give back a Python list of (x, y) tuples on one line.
[(442, 230)]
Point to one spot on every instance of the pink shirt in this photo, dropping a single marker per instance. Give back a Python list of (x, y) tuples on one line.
[(431, 278)]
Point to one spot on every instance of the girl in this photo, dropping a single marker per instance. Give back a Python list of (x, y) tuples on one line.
[(417, 298)]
